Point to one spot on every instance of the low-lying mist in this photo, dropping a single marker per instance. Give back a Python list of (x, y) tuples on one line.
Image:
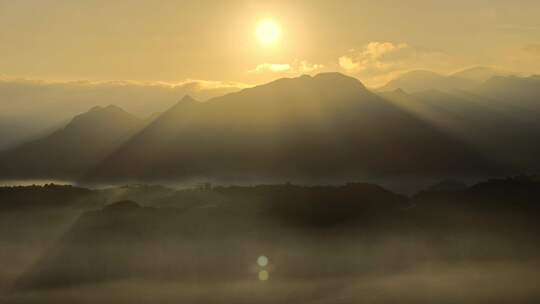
[(271, 244)]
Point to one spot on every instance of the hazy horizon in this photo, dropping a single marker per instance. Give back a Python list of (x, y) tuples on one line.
[(176, 41), (248, 151), (61, 58)]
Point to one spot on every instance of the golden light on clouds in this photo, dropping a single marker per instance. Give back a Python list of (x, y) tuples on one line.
[(254, 42), (268, 32)]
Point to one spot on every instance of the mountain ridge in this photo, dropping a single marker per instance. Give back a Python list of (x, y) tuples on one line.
[(421, 80), (327, 126), (304, 126), (72, 149)]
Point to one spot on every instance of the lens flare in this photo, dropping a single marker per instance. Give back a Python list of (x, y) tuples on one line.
[(263, 275), (262, 261)]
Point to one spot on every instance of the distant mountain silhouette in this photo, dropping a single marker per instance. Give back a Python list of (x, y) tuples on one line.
[(73, 149), (48, 104), (447, 186), (512, 199), (323, 128), (479, 73), (500, 129), (421, 80), (517, 91), (326, 126)]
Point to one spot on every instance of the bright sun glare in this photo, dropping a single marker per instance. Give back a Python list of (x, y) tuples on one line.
[(268, 32)]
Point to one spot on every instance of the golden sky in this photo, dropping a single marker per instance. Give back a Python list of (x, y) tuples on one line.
[(173, 41)]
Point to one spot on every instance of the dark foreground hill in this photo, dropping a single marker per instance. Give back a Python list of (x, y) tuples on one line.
[(200, 229)]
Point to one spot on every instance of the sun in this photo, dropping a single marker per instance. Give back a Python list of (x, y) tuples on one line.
[(268, 32)]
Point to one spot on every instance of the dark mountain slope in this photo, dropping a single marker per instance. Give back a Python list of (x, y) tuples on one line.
[(501, 130), (327, 126), (479, 73), (523, 92), (420, 80), (70, 151)]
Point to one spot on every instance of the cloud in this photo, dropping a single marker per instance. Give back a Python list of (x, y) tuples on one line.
[(306, 67), (378, 62), (348, 64), (296, 67), (196, 84), (271, 67), (207, 85), (376, 56)]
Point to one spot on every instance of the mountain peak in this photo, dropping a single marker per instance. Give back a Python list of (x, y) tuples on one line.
[(104, 109), (330, 86), (98, 114), (334, 75), (337, 82), (421, 80), (186, 101), (112, 107), (400, 92), (76, 147), (325, 81), (187, 98), (479, 73), (95, 108)]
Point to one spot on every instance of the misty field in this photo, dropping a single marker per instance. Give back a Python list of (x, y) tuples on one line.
[(270, 244)]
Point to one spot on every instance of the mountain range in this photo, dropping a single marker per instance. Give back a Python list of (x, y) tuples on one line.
[(80, 144), (50, 104), (421, 80), (326, 126), (323, 127)]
